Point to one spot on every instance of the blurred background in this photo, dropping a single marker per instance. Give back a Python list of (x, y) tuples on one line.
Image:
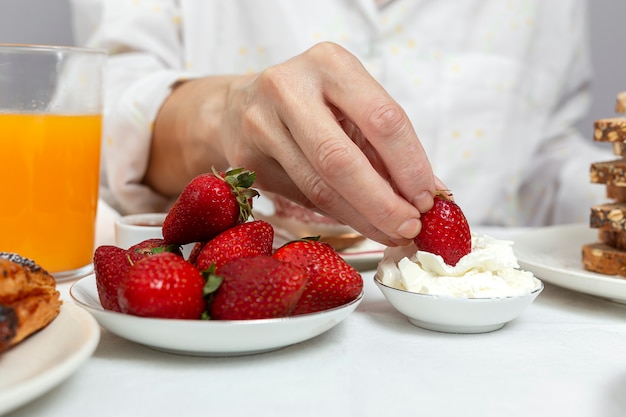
[(50, 22)]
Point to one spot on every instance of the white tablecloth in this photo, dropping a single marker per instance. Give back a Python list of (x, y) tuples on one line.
[(565, 356)]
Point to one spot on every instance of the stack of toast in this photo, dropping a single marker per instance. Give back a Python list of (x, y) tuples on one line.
[(607, 255)]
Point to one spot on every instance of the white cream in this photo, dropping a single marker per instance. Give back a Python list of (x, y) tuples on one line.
[(489, 270)]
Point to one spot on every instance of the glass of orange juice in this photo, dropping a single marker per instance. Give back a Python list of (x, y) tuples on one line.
[(50, 135)]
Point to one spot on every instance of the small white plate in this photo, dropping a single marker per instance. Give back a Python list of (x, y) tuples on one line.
[(364, 256), (554, 254), (457, 315), (209, 338), (47, 358)]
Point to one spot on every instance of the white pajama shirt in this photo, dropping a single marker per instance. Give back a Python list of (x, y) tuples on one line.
[(493, 87)]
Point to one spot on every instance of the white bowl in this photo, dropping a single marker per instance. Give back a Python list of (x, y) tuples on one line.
[(457, 315), (136, 228), (209, 337)]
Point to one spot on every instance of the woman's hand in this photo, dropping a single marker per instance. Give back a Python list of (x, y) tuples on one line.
[(317, 129)]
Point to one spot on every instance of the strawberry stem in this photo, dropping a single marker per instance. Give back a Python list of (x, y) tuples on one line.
[(240, 181), (445, 194), (240, 178)]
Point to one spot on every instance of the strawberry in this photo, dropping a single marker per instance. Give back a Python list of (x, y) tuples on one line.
[(246, 239), (445, 230), (195, 252), (332, 281), (210, 204), (110, 265), (257, 287), (150, 247), (163, 285)]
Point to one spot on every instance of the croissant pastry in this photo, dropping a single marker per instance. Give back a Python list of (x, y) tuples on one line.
[(29, 300)]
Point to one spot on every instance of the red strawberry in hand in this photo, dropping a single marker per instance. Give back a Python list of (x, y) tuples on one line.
[(332, 281), (210, 204), (445, 230), (163, 285), (246, 239), (257, 287), (110, 265)]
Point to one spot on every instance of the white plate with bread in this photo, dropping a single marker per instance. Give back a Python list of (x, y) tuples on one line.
[(42, 340), (554, 254), (47, 358)]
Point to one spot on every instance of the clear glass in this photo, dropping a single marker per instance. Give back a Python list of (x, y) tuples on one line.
[(50, 136)]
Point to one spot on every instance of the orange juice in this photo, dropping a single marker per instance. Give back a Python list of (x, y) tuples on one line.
[(49, 168)]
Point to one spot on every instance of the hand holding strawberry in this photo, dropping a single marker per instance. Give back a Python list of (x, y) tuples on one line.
[(445, 230)]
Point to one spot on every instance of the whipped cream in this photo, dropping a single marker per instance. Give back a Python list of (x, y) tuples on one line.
[(489, 270)]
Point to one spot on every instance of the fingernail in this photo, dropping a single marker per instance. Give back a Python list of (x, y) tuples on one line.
[(423, 201), (409, 229)]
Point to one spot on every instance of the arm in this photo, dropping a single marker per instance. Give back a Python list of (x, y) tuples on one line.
[(317, 129), (144, 62)]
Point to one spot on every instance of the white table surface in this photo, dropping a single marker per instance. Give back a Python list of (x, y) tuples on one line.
[(565, 356)]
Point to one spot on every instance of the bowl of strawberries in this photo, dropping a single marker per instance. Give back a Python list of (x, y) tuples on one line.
[(208, 337), (233, 294)]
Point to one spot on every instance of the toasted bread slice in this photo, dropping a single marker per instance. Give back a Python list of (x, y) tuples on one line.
[(620, 105), (616, 193), (608, 172), (29, 299), (611, 129), (601, 258), (608, 216), (613, 238), (619, 149)]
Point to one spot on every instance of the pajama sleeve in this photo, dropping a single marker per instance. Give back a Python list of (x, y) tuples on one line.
[(144, 45)]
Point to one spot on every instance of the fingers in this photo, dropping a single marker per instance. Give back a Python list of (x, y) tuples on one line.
[(284, 150), (336, 175), (347, 147), (382, 121), (317, 193), (439, 185)]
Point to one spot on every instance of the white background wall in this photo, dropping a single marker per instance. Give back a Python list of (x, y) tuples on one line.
[(49, 21)]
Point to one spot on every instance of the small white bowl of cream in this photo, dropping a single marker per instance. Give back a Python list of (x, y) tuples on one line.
[(481, 293)]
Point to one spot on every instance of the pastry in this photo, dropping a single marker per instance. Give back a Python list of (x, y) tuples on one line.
[(29, 300)]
